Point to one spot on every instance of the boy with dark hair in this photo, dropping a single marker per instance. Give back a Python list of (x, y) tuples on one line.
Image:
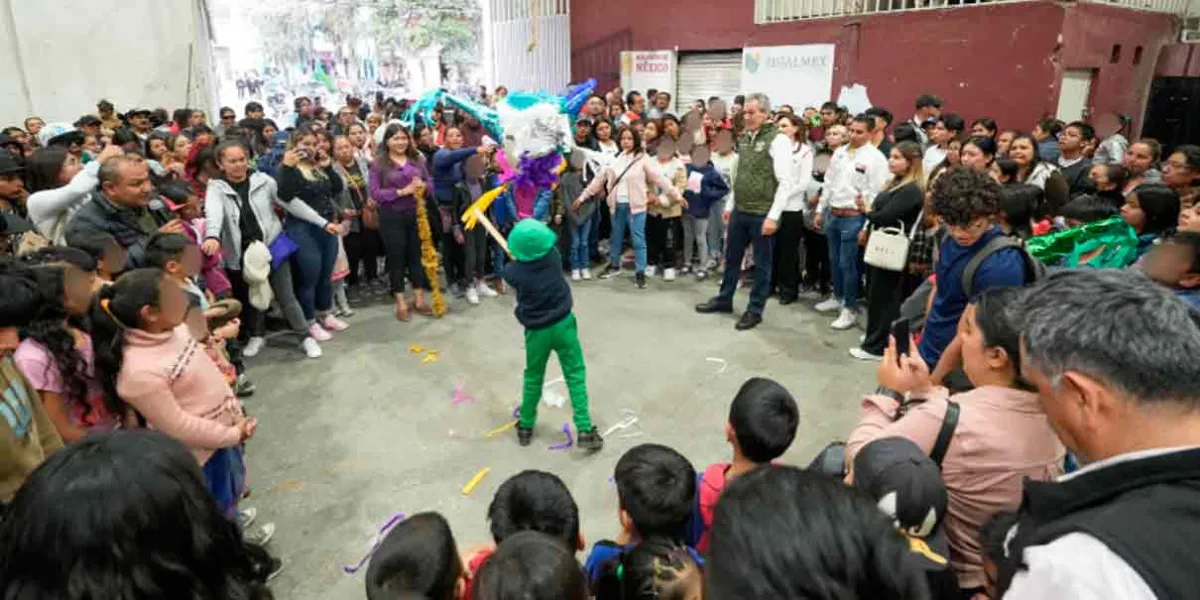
[(1087, 209), (1018, 203), (1046, 133), (762, 424), (966, 201), (883, 120), (946, 128), (1175, 264), (110, 257), (656, 487), (1074, 165), (529, 501)]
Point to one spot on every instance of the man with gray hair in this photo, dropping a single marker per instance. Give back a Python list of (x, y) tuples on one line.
[(761, 186), (1116, 362)]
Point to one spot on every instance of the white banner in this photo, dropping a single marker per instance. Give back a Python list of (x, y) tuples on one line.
[(643, 70), (797, 75)]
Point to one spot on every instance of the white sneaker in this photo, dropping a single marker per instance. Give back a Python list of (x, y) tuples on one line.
[(862, 338), (485, 291), (668, 274), (576, 275), (586, 273), (254, 346), (246, 516), (846, 319), (861, 354), (473, 295), (311, 348), (828, 305), (650, 271), (261, 536)]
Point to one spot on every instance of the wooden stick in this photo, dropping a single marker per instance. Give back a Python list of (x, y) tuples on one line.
[(492, 231)]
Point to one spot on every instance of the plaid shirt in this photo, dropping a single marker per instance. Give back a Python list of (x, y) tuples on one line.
[(921, 250)]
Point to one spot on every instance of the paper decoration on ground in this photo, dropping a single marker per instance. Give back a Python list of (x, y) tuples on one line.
[(854, 98), (470, 487), (459, 396), (719, 361), (629, 420), (551, 396), (431, 356), (501, 429), (352, 569), (566, 429)]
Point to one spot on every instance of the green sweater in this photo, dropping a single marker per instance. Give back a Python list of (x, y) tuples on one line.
[(754, 189)]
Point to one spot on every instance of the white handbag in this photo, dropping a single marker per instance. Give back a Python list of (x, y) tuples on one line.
[(887, 248)]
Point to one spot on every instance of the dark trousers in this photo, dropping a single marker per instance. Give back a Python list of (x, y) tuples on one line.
[(886, 291), (663, 236), (476, 253), (312, 266), (786, 276), (746, 230), (454, 255), (816, 261), (362, 247), (402, 244)]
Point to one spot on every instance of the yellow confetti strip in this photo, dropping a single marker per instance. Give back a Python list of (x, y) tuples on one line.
[(432, 356), (501, 429), (470, 487), (415, 349)]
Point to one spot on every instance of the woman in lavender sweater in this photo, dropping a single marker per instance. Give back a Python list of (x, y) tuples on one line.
[(397, 176)]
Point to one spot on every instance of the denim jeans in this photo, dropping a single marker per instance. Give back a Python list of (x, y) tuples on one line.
[(841, 233), (623, 218), (312, 266), (746, 230), (716, 230), (580, 259)]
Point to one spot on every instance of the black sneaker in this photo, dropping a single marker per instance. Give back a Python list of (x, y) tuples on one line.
[(274, 568), (640, 280), (244, 387), (524, 435), (590, 440), (610, 272)]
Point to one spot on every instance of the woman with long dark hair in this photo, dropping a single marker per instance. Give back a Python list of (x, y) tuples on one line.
[(398, 180), (1152, 210), (1141, 163), (127, 515), (56, 356), (898, 205), (1033, 170), (984, 127), (59, 185), (786, 263)]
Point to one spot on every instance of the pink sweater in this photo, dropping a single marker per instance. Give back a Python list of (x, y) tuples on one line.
[(1002, 437), (642, 174), (170, 379)]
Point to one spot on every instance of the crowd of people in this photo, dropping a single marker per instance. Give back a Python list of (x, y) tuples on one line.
[(1032, 434)]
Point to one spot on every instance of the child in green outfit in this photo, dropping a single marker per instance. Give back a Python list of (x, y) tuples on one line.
[(544, 308)]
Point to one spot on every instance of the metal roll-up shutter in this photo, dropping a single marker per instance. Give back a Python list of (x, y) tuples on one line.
[(705, 74)]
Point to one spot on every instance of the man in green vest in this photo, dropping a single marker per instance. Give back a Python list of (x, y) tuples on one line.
[(760, 189)]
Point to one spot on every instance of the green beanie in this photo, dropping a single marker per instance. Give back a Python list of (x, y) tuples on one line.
[(530, 240)]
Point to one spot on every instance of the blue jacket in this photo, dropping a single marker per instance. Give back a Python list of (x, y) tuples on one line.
[(447, 171), (712, 189)]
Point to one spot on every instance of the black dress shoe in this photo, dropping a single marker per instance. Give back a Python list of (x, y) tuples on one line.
[(749, 320), (713, 306)]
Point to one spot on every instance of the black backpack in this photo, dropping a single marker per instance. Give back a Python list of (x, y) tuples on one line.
[(1034, 269)]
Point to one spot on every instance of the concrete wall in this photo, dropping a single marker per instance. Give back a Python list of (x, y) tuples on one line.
[(58, 57), (998, 60)]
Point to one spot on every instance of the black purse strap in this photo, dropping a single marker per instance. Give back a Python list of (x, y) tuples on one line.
[(622, 175), (949, 424)]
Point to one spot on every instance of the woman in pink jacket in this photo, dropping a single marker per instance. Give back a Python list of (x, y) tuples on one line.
[(627, 182), (1002, 435), (146, 359)]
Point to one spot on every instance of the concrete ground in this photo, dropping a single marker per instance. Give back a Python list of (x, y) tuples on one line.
[(371, 430)]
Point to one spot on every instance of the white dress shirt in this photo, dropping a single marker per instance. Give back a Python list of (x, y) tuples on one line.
[(933, 157), (781, 160), (800, 178), (854, 172)]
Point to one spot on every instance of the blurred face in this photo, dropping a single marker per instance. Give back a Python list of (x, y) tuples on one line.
[(132, 187), (426, 137), (343, 151), (700, 155), (967, 235), (70, 167), (1133, 214), (754, 115), (172, 306), (859, 134), (1039, 133), (1171, 265), (1138, 159), (1176, 172), (77, 290), (627, 141), (1021, 151), (157, 148), (1070, 140), (724, 142), (234, 164), (1099, 176), (1189, 219), (1004, 143), (828, 117), (897, 163), (454, 139), (194, 209), (603, 131), (953, 153), (191, 260), (706, 121), (398, 144), (473, 167), (671, 127), (650, 133), (974, 158)]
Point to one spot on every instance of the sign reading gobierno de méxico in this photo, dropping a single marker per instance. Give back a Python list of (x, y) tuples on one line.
[(797, 75), (648, 69)]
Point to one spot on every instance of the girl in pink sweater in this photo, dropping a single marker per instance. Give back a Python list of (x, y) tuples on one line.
[(145, 357)]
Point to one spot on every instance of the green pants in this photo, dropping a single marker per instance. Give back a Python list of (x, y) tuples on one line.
[(563, 339)]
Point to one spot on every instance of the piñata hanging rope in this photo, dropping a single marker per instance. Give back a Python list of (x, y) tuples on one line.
[(429, 257)]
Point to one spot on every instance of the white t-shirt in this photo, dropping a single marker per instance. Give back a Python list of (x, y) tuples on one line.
[(621, 190)]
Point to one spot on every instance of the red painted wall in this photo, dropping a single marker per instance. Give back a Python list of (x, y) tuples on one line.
[(999, 60), (1179, 60)]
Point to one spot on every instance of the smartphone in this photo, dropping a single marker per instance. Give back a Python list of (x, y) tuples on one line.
[(900, 332), (305, 154)]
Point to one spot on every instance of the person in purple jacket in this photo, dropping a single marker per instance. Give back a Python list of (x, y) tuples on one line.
[(397, 176), (447, 172)]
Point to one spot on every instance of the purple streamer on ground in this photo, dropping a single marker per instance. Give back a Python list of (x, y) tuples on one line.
[(517, 412), (566, 429), (352, 569), (537, 173)]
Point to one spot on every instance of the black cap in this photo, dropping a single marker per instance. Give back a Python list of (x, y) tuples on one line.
[(86, 120), (138, 111), (11, 224), (908, 486), (927, 100), (9, 164)]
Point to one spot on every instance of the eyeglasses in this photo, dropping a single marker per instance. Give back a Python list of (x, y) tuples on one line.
[(228, 117)]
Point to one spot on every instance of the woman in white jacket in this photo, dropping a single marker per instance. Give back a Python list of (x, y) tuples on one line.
[(239, 211), (786, 276), (60, 184)]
